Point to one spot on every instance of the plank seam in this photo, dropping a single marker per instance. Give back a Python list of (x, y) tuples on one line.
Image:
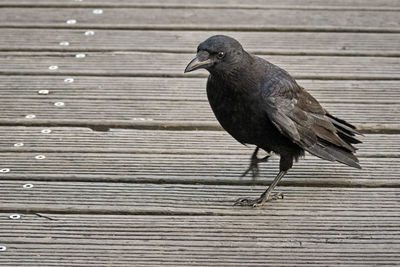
[(162, 125), (211, 28), (189, 6)]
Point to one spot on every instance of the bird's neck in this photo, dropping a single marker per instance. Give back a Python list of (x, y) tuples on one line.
[(239, 76)]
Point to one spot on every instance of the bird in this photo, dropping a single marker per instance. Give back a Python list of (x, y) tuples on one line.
[(261, 104)]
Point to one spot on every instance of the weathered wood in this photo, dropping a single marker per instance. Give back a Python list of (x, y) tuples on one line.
[(83, 140), (204, 19), (311, 225), (164, 198), (252, 4), (170, 199), (171, 64), (288, 43), (168, 111), (143, 124), (192, 168), (309, 239), (185, 254), (157, 88)]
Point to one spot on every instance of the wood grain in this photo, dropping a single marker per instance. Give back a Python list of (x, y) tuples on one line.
[(292, 238), (252, 4), (288, 43), (171, 64), (203, 19), (84, 140), (141, 197), (192, 168), (179, 199), (166, 111), (158, 88)]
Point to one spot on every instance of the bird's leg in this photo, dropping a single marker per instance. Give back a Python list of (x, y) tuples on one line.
[(266, 196), (254, 164)]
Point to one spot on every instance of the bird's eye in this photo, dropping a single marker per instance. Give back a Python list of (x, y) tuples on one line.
[(220, 55)]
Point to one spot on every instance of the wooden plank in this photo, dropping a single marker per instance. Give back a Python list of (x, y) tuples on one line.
[(171, 64), (298, 239), (253, 4), (178, 199), (305, 43), (144, 88), (192, 168), (203, 19), (83, 140), (165, 111), (185, 254)]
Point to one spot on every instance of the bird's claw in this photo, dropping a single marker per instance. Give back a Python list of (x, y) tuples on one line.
[(258, 202)]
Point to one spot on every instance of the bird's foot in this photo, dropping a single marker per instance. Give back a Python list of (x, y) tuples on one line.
[(258, 202), (253, 168)]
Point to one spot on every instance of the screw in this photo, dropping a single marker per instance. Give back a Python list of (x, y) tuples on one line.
[(59, 104), (97, 11), (64, 43), (14, 216), (43, 92), (30, 116), (54, 67), (27, 186), (3, 248), (81, 55), (5, 170), (71, 21), (89, 33), (46, 131), (19, 144), (69, 80), (40, 157)]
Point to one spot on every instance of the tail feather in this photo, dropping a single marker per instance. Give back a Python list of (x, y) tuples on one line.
[(343, 125), (333, 151)]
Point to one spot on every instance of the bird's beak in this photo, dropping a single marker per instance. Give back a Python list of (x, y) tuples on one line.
[(201, 61)]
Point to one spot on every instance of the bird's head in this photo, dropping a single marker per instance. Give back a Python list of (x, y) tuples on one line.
[(217, 53)]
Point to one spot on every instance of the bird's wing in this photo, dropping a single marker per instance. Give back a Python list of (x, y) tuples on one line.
[(299, 116)]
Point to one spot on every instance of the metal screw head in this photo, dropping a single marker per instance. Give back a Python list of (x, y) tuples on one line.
[(54, 67), (69, 80), (59, 104), (3, 248), (71, 21), (5, 170), (14, 216), (19, 144), (40, 157), (46, 131), (64, 43), (30, 116), (27, 186), (97, 11), (89, 33), (81, 55), (43, 92)]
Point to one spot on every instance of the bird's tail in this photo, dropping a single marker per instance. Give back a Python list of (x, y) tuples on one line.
[(332, 152)]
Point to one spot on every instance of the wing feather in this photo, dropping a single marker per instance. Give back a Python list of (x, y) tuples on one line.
[(299, 116)]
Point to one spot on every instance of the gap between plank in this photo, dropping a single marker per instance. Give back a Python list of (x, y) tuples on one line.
[(198, 28), (189, 76), (197, 6), (369, 128), (184, 51)]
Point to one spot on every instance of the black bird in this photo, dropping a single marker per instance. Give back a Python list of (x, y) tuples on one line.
[(261, 104)]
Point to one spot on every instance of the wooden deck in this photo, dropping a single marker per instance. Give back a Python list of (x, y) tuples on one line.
[(111, 156)]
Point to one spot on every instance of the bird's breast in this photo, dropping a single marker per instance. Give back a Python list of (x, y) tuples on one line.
[(238, 112)]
